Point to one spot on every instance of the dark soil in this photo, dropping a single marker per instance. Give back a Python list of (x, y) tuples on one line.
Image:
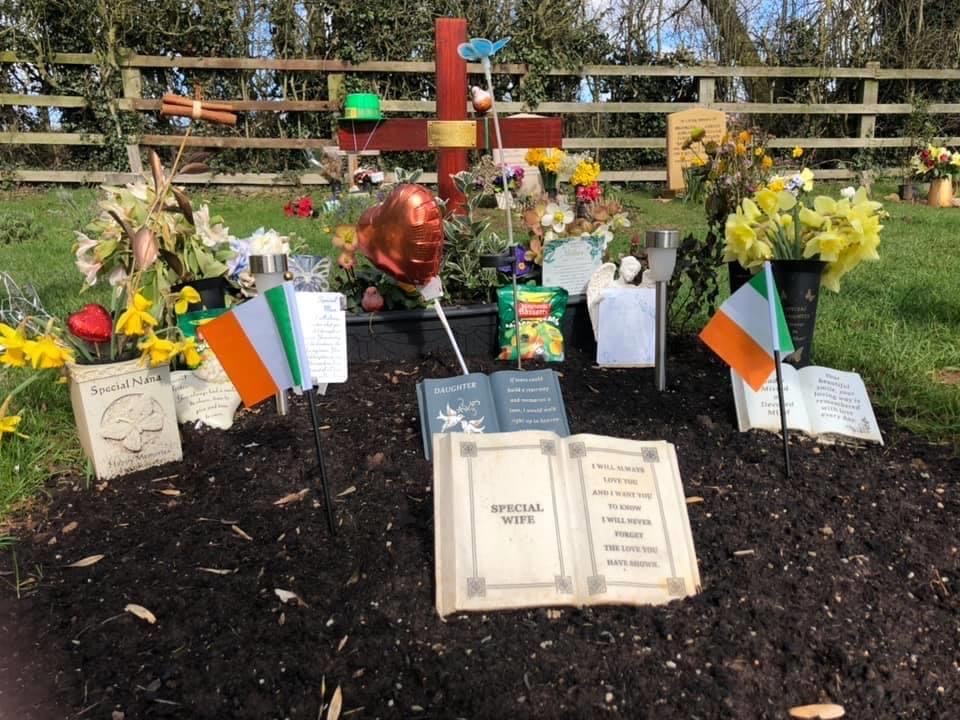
[(848, 594)]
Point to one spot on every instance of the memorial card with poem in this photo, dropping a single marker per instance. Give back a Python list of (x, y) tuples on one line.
[(527, 519)]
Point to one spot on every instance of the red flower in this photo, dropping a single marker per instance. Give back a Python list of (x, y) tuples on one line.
[(305, 207), (301, 207), (588, 193)]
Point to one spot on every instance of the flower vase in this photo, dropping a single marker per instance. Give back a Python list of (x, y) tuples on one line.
[(940, 194), (125, 415), (504, 200), (798, 284), (549, 184)]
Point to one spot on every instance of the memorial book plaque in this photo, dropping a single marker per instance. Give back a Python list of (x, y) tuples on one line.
[(831, 405), (530, 519), (505, 401)]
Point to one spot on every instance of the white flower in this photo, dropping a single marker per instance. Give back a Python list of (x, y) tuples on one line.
[(557, 217), (84, 244), (268, 242), (601, 231), (620, 220), (89, 270), (117, 277), (848, 192), (210, 235)]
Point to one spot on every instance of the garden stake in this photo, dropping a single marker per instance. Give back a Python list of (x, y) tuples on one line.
[(312, 402), (485, 61), (771, 305), (453, 340)]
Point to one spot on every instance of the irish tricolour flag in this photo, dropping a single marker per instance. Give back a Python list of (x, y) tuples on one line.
[(260, 345), (741, 332)]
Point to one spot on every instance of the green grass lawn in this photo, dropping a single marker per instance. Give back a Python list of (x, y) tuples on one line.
[(896, 322)]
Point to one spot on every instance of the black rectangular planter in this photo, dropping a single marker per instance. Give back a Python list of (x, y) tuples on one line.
[(412, 334)]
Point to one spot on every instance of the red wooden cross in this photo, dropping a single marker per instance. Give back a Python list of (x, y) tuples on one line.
[(451, 134)]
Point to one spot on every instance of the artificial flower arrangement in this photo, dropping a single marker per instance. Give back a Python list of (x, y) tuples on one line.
[(776, 223), (95, 335), (547, 220), (934, 162), (153, 231)]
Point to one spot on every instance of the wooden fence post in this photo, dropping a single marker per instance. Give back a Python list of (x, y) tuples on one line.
[(132, 89), (707, 88), (871, 94)]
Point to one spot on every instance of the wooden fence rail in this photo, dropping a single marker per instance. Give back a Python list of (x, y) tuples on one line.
[(131, 66)]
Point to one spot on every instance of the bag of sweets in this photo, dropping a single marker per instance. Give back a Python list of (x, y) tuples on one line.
[(541, 315)]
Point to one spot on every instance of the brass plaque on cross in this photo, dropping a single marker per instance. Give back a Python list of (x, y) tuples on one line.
[(451, 133)]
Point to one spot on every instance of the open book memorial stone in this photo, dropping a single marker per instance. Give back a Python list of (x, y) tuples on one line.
[(595, 520)]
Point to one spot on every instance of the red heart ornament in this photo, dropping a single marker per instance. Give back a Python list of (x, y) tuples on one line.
[(91, 323), (403, 235)]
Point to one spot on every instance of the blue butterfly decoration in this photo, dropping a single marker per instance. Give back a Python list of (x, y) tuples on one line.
[(480, 48)]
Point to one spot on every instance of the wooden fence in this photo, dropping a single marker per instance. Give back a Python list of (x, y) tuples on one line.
[(868, 110)]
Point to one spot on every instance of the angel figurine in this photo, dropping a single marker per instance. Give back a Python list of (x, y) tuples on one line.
[(605, 277)]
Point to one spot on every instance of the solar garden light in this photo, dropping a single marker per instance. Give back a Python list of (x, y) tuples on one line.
[(662, 246), (269, 271)]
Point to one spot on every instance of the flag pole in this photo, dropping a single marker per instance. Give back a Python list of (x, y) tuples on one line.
[(771, 304), (314, 418)]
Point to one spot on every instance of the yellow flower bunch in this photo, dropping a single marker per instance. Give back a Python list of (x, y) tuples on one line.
[(534, 156), (587, 172), (43, 352), (775, 225), (159, 351), (552, 158)]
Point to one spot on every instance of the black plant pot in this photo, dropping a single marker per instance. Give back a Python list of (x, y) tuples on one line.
[(213, 292), (412, 334), (798, 284)]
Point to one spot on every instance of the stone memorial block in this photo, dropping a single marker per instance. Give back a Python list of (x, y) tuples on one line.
[(679, 126), (125, 415)]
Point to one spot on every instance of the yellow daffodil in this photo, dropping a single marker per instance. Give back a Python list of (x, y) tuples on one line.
[(767, 162), (744, 137), (8, 423), (807, 176), (345, 237), (188, 349), (136, 318), (47, 352), (758, 151), (157, 351), (188, 296), (797, 153), (767, 200), (777, 183), (698, 134), (697, 161), (12, 341)]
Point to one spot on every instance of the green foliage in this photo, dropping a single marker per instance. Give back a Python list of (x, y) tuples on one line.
[(468, 238), (18, 227)]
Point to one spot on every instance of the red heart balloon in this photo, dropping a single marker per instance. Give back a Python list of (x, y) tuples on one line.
[(403, 235), (91, 323)]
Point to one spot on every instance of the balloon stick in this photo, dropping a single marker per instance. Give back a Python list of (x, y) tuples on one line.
[(453, 340)]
